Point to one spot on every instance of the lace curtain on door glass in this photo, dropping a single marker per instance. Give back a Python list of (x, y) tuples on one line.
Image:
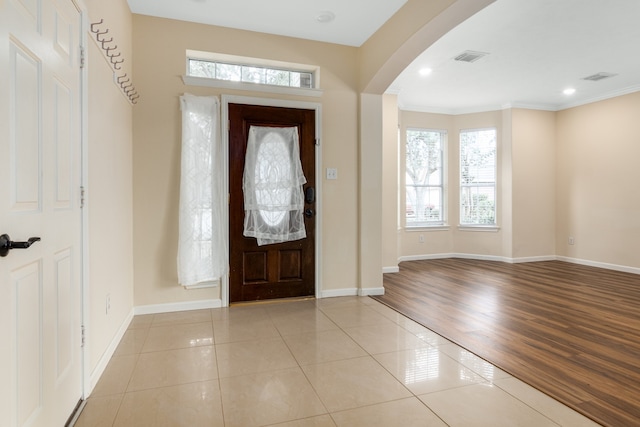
[(272, 185)]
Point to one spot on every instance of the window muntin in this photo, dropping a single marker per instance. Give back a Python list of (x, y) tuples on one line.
[(424, 177), (478, 171), (249, 73)]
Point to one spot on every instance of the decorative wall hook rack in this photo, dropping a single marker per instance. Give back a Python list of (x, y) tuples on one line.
[(106, 47), (115, 59), (95, 24), (102, 39)]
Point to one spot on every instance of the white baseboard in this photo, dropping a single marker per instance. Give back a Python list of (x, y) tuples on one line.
[(425, 257), (364, 292), (484, 257), (453, 255), (616, 267), (177, 306), (344, 292), (533, 259), (108, 353), (350, 292), (395, 269)]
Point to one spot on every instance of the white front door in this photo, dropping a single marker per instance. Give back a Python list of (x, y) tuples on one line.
[(40, 166)]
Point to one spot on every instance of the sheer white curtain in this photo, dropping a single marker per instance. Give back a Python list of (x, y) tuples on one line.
[(202, 248), (272, 186)]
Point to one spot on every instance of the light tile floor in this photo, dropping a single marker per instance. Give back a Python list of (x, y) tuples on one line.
[(347, 361)]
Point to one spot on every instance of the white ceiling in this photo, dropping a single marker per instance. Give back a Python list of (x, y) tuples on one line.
[(355, 20), (536, 48)]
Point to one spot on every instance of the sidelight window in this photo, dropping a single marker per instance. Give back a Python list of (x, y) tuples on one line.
[(202, 255)]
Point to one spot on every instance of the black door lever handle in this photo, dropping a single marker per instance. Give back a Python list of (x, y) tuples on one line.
[(6, 244)]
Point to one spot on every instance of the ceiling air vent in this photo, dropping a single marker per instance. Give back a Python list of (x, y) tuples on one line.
[(470, 56), (598, 76)]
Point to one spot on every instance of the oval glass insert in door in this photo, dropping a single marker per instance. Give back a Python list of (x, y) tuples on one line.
[(272, 185), (273, 177)]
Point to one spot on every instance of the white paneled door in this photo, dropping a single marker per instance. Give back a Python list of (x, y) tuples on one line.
[(40, 168)]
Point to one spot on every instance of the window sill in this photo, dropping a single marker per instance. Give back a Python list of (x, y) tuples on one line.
[(427, 228), (252, 87), (482, 228)]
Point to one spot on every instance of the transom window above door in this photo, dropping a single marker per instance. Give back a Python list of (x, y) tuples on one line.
[(214, 69)]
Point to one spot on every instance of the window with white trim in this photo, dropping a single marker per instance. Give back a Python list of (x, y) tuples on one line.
[(424, 177), (478, 171), (230, 68)]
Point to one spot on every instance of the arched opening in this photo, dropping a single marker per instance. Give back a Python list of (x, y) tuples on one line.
[(382, 58)]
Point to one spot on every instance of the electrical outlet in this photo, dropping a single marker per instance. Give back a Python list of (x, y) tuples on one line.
[(572, 241), (421, 238), (108, 304), (332, 173)]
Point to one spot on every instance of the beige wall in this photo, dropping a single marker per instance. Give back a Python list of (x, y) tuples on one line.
[(370, 193), (160, 47), (571, 173), (598, 175), (505, 176), (390, 229), (109, 186), (534, 183)]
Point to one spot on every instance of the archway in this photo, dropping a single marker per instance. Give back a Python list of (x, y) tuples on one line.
[(415, 27)]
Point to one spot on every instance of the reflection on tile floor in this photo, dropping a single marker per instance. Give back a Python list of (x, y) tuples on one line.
[(347, 361)]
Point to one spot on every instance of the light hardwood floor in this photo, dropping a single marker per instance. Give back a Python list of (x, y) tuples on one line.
[(571, 331)]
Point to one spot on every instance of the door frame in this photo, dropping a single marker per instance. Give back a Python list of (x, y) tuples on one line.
[(84, 215), (270, 102)]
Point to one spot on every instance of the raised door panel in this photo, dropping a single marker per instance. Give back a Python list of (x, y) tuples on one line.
[(25, 124), (27, 286)]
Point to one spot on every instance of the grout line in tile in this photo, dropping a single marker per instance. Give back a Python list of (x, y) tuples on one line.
[(115, 417), (319, 309), (528, 405)]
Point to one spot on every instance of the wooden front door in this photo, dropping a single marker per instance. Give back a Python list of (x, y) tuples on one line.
[(278, 270), (40, 166)]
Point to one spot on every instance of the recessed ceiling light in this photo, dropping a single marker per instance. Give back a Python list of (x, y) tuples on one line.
[(425, 71), (569, 91), (325, 17)]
